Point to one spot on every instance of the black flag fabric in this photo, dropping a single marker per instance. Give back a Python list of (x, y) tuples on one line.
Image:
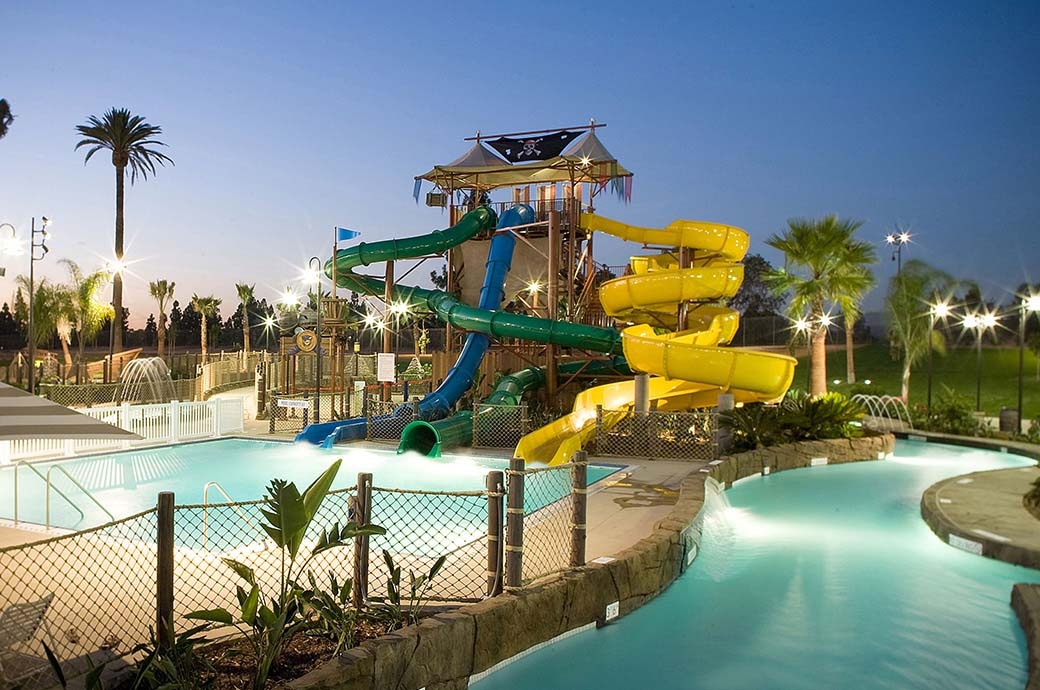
[(534, 148)]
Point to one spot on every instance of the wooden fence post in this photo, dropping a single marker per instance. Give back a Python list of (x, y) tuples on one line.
[(362, 516), (579, 506), (495, 487), (514, 549), (164, 571)]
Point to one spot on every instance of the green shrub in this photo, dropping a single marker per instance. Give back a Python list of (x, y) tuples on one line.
[(952, 413), (832, 415), (753, 426)]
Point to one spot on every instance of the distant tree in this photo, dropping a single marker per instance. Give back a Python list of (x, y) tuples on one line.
[(151, 331), (207, 308), (176, 316), (818, 256), (440, 278), (21, 311), (162, 292), (6, 118), (910, 293), (128, 137), (245, 294), (755, 298)]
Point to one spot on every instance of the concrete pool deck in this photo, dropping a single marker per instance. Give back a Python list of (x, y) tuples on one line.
[(982, 512)]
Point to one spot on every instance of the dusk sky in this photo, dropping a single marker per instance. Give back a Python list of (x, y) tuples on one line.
[(286, 120)]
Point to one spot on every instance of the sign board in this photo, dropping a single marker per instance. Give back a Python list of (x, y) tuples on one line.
[(386, 362), (296, 404), (306, 341)]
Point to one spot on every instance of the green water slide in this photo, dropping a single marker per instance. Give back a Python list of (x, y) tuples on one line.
[(431, 438), (498, 324)]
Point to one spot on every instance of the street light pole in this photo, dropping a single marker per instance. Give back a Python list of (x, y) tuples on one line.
[(935, 311), (41, 244), (898, 240), (315, 267), (1029, 304)]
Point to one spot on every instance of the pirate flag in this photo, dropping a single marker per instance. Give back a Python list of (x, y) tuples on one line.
[(535, 148)]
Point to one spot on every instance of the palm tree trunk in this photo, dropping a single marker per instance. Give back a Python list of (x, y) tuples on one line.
[(245, 329), (850, 364), (161, 333), (65, 351), (203, 338), (818, 366), (906, 380), (117, 281)]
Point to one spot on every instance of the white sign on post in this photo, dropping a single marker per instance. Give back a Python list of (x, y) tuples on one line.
[(295, 404), (386, 362)]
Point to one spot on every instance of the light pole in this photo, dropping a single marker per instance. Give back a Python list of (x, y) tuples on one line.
[(979, 323), (801, 326), (1028, 305), (935, 311), (35, 244), (314, 277), (898, 239)]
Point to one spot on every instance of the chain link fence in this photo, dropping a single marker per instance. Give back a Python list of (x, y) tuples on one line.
[(499, 426), (655, 434), (98, 589), (548, 510), (94, 591)]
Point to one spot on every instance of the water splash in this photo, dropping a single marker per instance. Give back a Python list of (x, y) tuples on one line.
[(145, 380)]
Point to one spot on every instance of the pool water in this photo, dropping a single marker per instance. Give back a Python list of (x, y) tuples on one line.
[(817, 578), (128, 483)]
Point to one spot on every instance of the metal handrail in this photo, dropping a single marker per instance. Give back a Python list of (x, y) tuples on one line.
[(46, 480), (79, 486), (205, 510)]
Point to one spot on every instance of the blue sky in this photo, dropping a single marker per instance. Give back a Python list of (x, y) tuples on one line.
[(285, 120)]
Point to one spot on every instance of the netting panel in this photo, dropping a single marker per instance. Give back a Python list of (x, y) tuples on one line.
[(421, 527), (548, 508)]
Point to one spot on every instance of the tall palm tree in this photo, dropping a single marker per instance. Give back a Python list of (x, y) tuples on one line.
[(162, 292), (245, 293), (861, 256), (818, 254), (907, 306), (6, 118), (207, 308), (87, 313), (128, 137)]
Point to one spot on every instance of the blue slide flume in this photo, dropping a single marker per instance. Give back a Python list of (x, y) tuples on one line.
[(440, 402)]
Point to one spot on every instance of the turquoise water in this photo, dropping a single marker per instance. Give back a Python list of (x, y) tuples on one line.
[(818, 578), (129, 482)]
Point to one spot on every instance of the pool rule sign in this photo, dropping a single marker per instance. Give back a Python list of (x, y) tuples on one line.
[(385, 364)]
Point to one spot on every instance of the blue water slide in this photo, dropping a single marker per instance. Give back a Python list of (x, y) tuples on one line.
[(440, 402)]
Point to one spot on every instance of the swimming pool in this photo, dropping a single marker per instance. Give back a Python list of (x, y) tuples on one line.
[(129, 482), (815, 578)]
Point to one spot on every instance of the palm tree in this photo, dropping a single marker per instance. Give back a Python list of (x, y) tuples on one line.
[(818, 260), (907, 306), (128, 137), (45, 306), (87, 312), (162, 291), (6, 118), (861, 256), (245, 293), (207, 308)]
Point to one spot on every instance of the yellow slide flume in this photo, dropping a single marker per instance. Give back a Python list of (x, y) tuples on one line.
[(689, 369)]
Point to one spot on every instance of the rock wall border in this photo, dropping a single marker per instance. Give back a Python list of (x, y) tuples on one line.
[(444, 650)]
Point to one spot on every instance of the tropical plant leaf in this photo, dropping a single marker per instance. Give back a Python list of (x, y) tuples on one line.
[(212, 615)]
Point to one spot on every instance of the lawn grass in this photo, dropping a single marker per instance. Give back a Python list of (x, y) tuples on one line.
[(956, 369)]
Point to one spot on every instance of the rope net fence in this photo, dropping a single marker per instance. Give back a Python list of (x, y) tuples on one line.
[(548, 507)]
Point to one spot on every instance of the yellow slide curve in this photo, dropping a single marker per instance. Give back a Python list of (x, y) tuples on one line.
[(688, 368)]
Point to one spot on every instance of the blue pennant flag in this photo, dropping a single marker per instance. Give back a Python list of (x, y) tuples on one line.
[(342, 234)]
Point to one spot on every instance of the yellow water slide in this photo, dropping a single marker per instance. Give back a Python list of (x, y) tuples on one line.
[(688, 367)]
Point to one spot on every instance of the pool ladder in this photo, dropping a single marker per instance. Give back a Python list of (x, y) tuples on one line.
[(50, 486), (205, 510)]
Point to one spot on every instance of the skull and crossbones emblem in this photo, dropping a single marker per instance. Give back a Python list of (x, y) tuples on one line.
[(530, 148)]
